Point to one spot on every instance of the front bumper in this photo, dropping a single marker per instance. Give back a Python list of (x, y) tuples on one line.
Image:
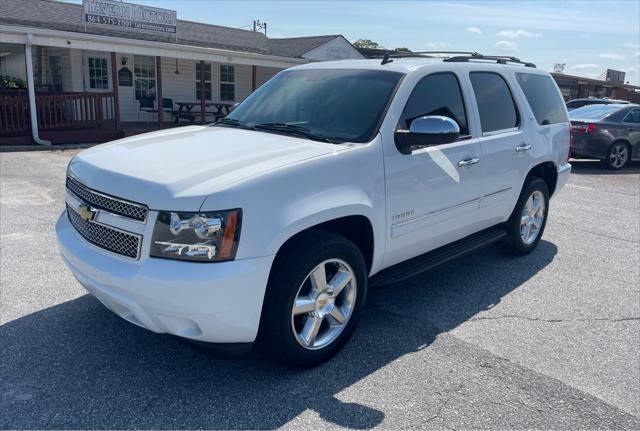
[(212, 302)]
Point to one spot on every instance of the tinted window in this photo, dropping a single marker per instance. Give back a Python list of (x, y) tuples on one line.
[(343, 105), (633, 116), (495, 103), (593, 112), (437, 94), (543, 97)]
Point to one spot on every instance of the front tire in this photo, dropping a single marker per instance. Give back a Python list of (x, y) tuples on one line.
[(315, 295), (529, 218), (618, 155)]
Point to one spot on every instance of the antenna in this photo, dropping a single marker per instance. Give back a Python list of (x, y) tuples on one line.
[(257, 25)]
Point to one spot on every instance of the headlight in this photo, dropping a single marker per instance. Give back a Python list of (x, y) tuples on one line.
[(201, 237)]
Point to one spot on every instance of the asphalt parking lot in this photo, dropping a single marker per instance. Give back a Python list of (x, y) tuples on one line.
[(550, 340)]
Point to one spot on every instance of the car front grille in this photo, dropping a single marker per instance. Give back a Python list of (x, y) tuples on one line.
[(108, 203), (111, 239)]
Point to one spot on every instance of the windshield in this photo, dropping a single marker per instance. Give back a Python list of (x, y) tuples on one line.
[(593, 112), (324, 104)]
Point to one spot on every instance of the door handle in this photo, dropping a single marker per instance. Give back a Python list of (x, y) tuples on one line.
[(523, 147), (468, 162)]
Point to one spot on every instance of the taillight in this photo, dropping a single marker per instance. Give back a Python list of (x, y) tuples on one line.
[(570, 143), (583, 129)]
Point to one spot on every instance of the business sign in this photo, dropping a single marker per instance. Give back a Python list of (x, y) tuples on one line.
[(614, 75), (129, 16), (559, 67), (125, 77)]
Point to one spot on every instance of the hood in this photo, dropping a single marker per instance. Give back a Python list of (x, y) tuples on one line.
[(177, 169)]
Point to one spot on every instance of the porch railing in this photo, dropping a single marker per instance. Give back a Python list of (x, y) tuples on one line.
[(14, 112), (55, 111), (74, 110)]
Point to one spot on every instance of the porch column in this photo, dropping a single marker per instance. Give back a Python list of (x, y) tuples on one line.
[(116, 96), (159, 103), (203, 114), (253, 78), (33, 108)]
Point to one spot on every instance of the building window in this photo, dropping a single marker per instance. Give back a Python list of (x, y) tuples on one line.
[(207, 81), (55, 73), (98, 73), (145, 76), (227, 82)]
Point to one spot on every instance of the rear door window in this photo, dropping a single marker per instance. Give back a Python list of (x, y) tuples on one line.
[(543, 97), (496, 106), (437, 94), (633, 116)]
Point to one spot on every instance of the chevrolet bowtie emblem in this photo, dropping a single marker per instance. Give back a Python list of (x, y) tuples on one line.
[(86, 212)]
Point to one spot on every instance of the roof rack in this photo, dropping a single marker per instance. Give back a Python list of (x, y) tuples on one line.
[(500, 59), (459, 57)]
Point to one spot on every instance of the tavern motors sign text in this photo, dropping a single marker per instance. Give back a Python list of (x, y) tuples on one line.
[(129, 16)]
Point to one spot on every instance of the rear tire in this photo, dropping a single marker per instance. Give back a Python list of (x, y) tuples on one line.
[(528, 219), (316, 292), (618, 155)]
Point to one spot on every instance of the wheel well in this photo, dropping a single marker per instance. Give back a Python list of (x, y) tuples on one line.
[(548, 173), (622, 140), (356, 229)]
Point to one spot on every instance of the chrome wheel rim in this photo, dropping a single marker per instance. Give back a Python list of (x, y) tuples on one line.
[(532, 217), (324, 304), (618, 156)]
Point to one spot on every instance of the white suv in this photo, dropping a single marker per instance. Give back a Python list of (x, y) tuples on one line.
[(269, 226)]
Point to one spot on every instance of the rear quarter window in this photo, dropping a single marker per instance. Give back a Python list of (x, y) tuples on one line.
[(543, 97)]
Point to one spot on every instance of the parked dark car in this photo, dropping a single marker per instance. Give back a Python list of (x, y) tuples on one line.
[(579, 103), (610, 133)]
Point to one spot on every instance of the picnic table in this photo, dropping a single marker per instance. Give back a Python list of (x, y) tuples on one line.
[(185, 110)]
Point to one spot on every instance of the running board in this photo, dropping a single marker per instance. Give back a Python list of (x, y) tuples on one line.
[(428, 261)]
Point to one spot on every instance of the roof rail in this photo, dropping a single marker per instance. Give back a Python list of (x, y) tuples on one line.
[(435, 53), (500, 59), (460, 56)]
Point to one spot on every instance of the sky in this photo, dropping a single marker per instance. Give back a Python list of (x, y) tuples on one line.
[(588, 36)]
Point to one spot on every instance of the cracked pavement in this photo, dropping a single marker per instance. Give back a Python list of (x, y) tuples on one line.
[(549, 340)]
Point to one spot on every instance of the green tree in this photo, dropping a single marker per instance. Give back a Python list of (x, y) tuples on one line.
[(402, 50), (367, 43)]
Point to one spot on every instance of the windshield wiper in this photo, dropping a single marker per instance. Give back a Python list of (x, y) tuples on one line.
[(233, 123), (294, 129)]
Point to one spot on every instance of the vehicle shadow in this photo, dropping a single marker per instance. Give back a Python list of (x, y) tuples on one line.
[(76, 365), (591, 167)]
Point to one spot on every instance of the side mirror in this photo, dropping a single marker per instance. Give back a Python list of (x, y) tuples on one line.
[(426, 132)]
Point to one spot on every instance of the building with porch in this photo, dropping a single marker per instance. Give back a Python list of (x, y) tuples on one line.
[(576, 87), (103, 69)]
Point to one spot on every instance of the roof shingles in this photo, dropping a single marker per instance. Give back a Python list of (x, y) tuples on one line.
[(57, 15)]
